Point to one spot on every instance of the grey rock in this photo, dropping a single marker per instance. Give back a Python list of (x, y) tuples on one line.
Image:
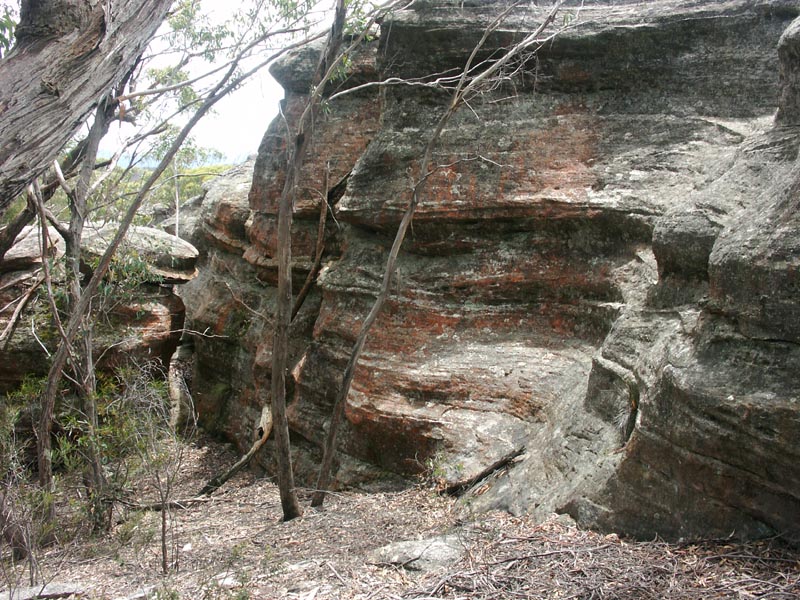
[(41, 592), (426, 555), (27, 251), (145, 593), (755, 265), (604, 273), (789, 54), (168, 258)]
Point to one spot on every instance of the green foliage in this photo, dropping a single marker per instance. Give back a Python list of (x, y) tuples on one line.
[(8, 23), (167, 593), (17, 206), (190, 153), (191, 179), (13, 449), (191, 30), (357, 17), (439, 471), (172, 76), (128, 530), (128, 271), (293, 10), (132, 435)]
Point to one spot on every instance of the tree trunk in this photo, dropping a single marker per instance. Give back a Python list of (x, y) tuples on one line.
[(10, 232), (283, 309), (78, 208), (291, 509), (69, 54), (68, 166)]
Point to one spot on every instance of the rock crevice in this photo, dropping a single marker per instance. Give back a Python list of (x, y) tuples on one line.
[(600, 280)]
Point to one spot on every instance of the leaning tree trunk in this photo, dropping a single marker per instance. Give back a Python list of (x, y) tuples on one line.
[(69, 54), (283, 308)]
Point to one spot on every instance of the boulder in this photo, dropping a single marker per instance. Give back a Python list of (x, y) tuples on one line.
[(142, 323), (49, 590), (26, 253), (426, 555), (165, 258)]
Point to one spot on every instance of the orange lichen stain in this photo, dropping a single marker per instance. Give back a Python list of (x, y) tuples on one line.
[(332, 153), (406, 329), (524, 407), (222, 318), (555, 158), (558, 324)]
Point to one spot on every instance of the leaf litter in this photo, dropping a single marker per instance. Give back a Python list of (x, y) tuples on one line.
[(234, 545)]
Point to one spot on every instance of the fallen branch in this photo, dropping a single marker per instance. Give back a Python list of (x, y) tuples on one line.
[(218, 481), (15, 317), (159, 506), (457, 489)]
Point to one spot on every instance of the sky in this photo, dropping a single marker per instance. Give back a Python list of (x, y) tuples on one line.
[(238, 121), (236, 126), (241, 119)]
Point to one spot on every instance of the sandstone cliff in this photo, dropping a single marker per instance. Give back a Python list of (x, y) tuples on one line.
[(596, 311)]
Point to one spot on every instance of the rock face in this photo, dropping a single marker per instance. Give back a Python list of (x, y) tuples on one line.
[(596, 311), (143, 323)]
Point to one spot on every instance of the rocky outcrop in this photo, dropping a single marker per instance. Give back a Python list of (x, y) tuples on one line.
[(596, 310), (142, 321)]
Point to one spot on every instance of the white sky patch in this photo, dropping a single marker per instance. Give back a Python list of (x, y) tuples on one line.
[(236, 123), (240, 120)]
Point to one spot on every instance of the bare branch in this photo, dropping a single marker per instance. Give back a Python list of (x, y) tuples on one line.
[(188, 82), (22, 301), (35, 193), (464, 87)]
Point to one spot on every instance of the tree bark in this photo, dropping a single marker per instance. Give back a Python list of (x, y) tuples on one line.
[(283, 309), (69, 54), (68, 166), (10, 232)]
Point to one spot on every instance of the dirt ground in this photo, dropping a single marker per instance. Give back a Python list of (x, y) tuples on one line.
[(234, 545)]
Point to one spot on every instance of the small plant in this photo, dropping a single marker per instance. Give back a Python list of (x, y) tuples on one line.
[(21, 503), (167, 593), (439, 472)]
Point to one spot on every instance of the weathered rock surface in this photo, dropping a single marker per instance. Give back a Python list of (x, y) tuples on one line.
[(143, 325), (50, 590), (166, 258), (421, 555), (596, 311)]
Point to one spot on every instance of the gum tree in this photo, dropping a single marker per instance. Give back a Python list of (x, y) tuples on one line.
[(68, 55), (161, 101)]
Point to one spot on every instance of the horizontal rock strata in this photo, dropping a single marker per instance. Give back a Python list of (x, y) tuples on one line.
[(142, 322), (595, 310)]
